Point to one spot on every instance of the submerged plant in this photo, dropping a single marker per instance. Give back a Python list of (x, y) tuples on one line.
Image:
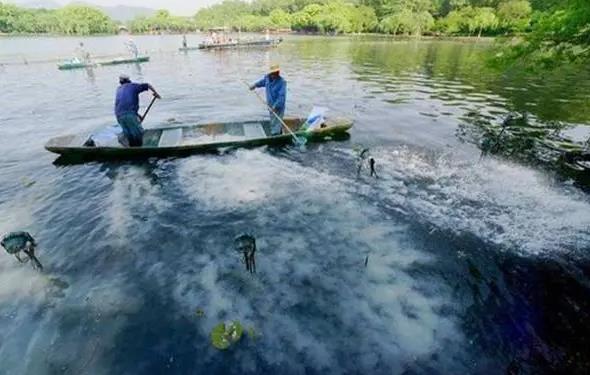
[(225, 335)]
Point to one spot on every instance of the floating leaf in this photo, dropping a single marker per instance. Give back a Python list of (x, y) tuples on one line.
[(223, 336)]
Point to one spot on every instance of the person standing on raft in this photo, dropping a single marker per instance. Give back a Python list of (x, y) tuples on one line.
[(276, 96), (126, 107)]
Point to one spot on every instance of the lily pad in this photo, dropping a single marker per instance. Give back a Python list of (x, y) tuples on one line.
[(225, 335)]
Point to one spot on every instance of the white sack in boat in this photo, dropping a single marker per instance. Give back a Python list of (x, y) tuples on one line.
[(316, 118), (107, 137)]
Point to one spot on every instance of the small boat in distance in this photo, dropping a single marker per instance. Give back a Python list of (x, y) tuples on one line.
[(77, 64), (191, 139), (234, 44)]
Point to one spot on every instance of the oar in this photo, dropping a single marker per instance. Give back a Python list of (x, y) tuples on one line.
[(298, 141), (148, 109)]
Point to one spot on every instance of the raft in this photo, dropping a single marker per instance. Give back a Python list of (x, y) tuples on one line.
[(237, 44), (68, 65), (191, 139), (185, 49), (75, 65)]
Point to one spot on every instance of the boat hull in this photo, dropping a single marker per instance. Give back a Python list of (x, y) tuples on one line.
[(67, 146)]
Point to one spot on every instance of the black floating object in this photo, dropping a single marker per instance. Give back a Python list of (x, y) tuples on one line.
[(16, 242), (372, 165), (361, 160), (246, 244), (366, 260)]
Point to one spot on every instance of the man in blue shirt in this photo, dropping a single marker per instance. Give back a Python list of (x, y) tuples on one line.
[(126, 107), (276, 96)]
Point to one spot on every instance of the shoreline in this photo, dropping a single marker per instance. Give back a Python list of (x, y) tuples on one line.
[(463, 38)]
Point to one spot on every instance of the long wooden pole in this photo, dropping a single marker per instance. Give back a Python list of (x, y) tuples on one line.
[(297, 140), (148, 109)]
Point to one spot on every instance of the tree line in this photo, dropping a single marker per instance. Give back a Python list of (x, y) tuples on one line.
[(69, 20), (550, 29), (398, 17), (78, 19)]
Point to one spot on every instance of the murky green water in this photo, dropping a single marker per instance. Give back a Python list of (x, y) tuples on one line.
[(475, 265)]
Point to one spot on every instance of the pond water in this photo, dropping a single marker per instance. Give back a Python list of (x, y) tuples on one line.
[(473, 265)]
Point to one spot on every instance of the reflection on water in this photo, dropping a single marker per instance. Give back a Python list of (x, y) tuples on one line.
[(475, 265)]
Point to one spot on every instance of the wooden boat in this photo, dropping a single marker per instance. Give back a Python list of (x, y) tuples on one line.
[(186, 140), (76, 64), (237, 44), (578, 160)]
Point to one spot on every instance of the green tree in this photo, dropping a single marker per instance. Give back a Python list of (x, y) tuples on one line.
[(279, 18), (515, 15), (7, 14), (483, 19), (83, 20), (407, 22), (561, 34), (454, 23), (162, 21), (363, 18), (306, 19)]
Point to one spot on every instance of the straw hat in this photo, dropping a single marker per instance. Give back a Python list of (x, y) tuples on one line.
[(274, 68)]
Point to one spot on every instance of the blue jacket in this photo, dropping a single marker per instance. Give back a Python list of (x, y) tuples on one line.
[(276, 92), (127, 99)]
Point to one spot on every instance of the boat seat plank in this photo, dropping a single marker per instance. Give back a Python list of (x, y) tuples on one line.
[(254, 130), (170, 138)]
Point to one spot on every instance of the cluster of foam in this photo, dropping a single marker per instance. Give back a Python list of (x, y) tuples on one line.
[(504, 203), (133, 197), (245, 178), (313, 301)]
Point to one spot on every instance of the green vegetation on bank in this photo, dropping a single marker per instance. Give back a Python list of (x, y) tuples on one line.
[(69, 20), (398, 17), (548, 31), (162, 21), (559, 33)]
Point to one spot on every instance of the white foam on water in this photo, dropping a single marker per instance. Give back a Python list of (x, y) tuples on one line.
[(312, 296), (507, 204), (132, 193), (246, 178)]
